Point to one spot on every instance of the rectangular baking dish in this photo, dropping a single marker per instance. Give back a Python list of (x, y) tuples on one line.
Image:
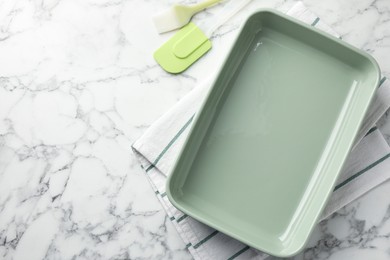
[(269, 141)]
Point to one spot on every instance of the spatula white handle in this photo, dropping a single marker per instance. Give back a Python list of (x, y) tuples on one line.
[(203, 5), (228, 11)]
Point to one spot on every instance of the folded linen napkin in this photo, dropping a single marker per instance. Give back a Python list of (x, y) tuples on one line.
[(367, 165)]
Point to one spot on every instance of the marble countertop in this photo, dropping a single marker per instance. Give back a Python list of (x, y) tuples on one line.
[(78, 85)]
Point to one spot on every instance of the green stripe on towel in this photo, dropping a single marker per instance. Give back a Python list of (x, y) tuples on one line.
[(315, 21), (170, 144), (382, 81), (182, 218), (362, 171), (371, 130), (204, 240), (239, 253)]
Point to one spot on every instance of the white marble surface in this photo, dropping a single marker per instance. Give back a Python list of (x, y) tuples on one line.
[(78, 85)]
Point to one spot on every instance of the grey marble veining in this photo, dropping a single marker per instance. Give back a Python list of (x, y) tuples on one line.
[(78, 85)]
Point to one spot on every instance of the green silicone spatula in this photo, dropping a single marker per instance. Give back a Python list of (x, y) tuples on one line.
[(179, 15), (192, 41)]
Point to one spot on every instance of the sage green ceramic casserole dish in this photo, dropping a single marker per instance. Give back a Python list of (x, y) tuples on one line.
[(269, 141)]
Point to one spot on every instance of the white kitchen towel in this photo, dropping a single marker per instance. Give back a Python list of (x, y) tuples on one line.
[(367, 166)]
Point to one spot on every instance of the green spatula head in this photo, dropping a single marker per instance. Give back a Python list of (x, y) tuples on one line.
[(183, 49)]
